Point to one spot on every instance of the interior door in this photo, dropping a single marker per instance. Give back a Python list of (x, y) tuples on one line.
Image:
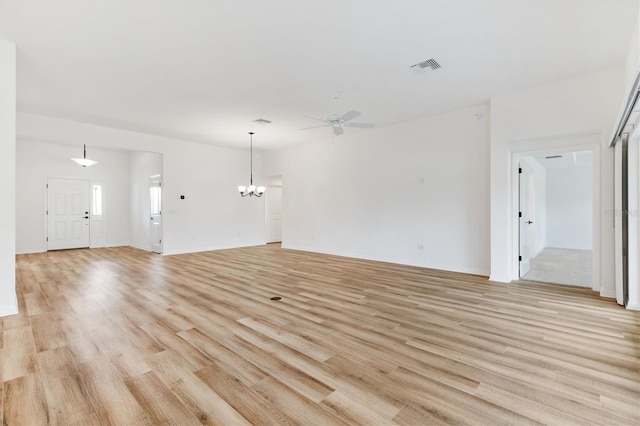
[(67, 214), (274, 214), (155, 216), (525, 220)]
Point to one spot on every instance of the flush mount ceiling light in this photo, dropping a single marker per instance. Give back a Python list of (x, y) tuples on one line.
[(251, 190), (84, 161)]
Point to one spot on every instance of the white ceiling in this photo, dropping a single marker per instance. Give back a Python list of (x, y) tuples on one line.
[(204, 70)]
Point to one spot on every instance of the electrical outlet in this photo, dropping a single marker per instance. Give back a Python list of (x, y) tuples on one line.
[(420, 246)]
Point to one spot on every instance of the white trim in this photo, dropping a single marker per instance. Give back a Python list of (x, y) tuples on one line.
[(45, 242), (446, 268), (211, 248), (93, 243), (626, 109), (9, 310), (633, 307), (30, 251), (140, 248), (633, 227)]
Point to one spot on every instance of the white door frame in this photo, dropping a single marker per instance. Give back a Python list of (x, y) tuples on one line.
[(530, 213), (97, 240), (633, 221), (155, 247), (516, 158)]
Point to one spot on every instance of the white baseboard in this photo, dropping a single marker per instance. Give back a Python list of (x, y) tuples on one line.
[(140, 248), (29, 251), (212, 248), (110, 245), (9, 310), (397, 261), (633, 306), (608, 294)]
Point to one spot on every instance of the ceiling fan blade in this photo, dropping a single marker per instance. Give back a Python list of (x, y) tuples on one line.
[(337, 130), (350, 115), (315, 127), (317, 119), (363, 125)]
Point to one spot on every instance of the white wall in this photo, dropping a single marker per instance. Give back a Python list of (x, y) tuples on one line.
[(37, 161), (142, 165), (8, 301), (562, 113), (569, 208), (379, 193), (632, 62), (212, 215), (539, 176)]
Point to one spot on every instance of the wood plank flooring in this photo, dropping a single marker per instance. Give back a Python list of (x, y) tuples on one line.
[(124, 337)]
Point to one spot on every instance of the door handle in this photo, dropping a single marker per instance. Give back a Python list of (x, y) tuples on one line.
[(529, 222), (86, 217)]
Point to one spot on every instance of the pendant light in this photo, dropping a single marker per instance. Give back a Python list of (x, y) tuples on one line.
[(251, 190), (84, 161)]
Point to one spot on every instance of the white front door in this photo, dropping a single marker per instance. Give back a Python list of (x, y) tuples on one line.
[(525, 220), (155, 217), (274, 214), (67, 214)]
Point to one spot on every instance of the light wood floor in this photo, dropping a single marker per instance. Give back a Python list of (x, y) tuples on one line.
[(121, 336)]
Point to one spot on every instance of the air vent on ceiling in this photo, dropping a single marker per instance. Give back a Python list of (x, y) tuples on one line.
[(262, 121), (549, 157), (421, 67)]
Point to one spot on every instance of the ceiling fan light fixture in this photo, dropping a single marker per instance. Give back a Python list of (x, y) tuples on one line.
[(338, 122)]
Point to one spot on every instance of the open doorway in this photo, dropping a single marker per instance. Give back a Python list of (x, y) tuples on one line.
[(273, 209), (145, 175), (556, 218)]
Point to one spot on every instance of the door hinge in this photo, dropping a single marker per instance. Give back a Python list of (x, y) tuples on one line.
[(519, 214), (520, 258), (519, 169), (47, 238), (161, 240), (47, 186), (47, 212)]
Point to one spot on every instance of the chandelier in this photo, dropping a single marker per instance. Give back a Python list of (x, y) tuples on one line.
[(251, 190), (84, 161)]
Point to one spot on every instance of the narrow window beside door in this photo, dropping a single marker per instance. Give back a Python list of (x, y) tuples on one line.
[(96, 208)]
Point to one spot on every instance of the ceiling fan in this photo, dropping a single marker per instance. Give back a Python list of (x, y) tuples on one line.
[(337, 122)]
